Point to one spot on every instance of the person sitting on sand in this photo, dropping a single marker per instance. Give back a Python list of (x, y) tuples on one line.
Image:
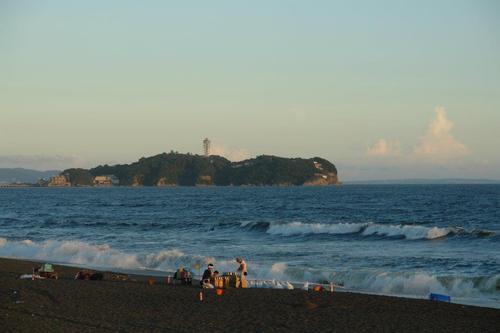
[(88, 275), (214, 277), (183, 275), (207, 277), (178, 274)]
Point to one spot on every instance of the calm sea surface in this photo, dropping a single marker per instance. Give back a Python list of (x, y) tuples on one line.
[(391, 239)]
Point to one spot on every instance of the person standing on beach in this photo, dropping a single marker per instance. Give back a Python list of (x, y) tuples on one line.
[(242, 272)]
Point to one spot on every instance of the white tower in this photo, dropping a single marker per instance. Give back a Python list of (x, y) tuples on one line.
[(206, 147)]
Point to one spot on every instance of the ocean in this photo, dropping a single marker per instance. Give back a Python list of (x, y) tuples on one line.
[(403, 240)]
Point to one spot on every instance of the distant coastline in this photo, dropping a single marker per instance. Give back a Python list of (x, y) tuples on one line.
[(15, 177)]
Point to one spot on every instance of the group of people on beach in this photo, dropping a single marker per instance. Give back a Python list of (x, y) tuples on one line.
[(210, 274)]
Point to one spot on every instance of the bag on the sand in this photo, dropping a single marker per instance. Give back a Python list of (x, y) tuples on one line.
[(46, 271), (184, 276), (46, 268)]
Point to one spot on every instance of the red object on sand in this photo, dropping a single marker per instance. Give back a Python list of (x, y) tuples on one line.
[(218, 292), (151, 281)]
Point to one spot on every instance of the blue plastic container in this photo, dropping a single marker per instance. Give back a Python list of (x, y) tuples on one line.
[(439, 298)]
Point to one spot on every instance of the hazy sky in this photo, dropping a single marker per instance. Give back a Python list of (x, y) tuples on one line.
[(384, 89)]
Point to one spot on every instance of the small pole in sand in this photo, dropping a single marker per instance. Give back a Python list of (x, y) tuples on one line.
[(331, 287), (201, 296)]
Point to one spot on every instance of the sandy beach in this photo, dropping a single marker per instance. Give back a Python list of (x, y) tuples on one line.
[(66, 305)]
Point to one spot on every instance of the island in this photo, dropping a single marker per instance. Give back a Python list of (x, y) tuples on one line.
[(177, 169)]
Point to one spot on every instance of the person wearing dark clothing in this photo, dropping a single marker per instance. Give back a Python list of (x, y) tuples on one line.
[(207, 277)]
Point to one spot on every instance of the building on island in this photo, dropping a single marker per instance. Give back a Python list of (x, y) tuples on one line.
[(59, 181), (318, 165), (106, 180), (206, 147)]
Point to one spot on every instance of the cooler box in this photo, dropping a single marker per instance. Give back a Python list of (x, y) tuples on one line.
[(233, 281), (219, 282), (439, 298), (241, 283), (229, 280)]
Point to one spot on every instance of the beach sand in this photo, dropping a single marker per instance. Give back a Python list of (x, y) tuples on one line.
[(66, 305)]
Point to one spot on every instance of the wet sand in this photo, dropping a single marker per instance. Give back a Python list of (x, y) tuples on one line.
[(66, 305)]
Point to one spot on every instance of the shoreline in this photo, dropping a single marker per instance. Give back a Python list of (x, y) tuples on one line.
[(144, 274), (136, 306), (170, 186)]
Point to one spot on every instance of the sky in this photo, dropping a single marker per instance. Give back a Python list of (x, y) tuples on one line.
[(383, 89)]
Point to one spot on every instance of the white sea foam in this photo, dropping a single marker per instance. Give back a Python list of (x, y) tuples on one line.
[(105, 256), (299, 228), (270, 284), (82, 253), (419, 283), (413, 283), (406, 231)]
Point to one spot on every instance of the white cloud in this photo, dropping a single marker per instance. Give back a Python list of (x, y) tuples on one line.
[(438, 144), (384, 147), (40, 162), (231, 154), (436, 147)]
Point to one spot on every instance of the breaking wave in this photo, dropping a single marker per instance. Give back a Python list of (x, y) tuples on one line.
[(299, 228), (410, 231), (420, 283), (104, 256), (480, 290), (407, 231)]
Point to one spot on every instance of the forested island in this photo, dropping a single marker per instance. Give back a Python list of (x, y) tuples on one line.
[(176, 169)]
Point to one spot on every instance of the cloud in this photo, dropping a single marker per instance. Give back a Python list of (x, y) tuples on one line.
[(438, 143), (40, 162), (384, 148), (436, 147), (231, 154)]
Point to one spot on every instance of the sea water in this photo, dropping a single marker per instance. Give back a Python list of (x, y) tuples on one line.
[(406, 240)]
